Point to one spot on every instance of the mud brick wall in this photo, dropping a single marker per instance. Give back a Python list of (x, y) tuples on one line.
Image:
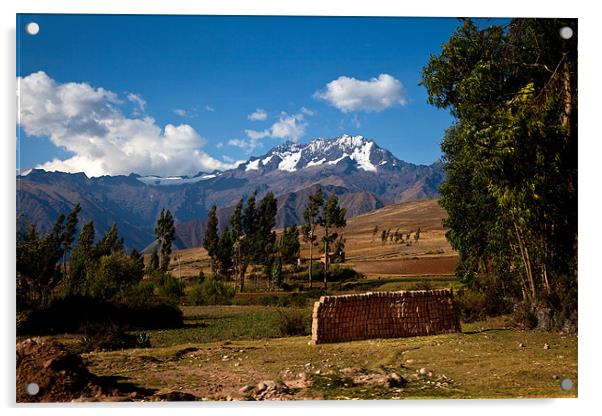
[(383, 315)]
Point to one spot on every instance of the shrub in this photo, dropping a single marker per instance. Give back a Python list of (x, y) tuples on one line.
[(109, 337), (114, 274), (72, 313), (211, 292), (291, 323), (338, 273), (169, 287), (471, 305)]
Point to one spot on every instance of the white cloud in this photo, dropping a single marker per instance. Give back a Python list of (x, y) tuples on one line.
[(136, 99), (307, 111), (180, 112), (291, 127), (258, 115), (89, 123), (209, 108), (377, 94), (247, 145)]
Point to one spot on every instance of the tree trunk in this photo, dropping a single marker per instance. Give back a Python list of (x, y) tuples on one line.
[(527, 263), (311, 259)]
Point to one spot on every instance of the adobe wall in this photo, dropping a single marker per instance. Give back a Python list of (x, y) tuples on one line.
[(383, 315)]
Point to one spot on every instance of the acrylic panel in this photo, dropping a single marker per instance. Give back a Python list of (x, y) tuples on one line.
[(295, 208)]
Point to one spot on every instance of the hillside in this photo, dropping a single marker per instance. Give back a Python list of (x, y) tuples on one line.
[(364, 176), (431, 255)]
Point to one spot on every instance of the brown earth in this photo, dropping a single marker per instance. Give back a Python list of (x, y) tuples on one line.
[(365, 251)]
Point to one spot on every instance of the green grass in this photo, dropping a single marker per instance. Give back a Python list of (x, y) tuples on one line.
[(223, 348), (222, 323), (485, 361)]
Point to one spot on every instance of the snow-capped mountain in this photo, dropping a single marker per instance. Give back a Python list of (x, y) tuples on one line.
[(363, 175), (291, 157)]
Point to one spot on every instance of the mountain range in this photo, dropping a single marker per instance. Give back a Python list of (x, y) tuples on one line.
[(364, 176)]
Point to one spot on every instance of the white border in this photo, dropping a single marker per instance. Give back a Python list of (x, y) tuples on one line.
[(590, 348)]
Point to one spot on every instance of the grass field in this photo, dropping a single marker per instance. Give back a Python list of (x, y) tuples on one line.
[(226, 348)]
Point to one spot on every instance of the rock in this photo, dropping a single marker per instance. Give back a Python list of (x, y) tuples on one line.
[(246, 389), (555, 377), (395, 380), (261, 386), (410, 361), (546, 347), (521, 345), (422, 371)]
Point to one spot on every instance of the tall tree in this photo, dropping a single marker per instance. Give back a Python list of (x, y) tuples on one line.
[(83, 252), (313, 218), (289, 245), (211, 237), (334, 218), (69, 233), (165, 232), (511, 156)]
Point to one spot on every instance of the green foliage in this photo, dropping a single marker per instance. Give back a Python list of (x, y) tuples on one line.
[(166, 233), (211, 292), (511, 155), (290, 246), (37, 258), (224, 254), (170, 288), (153, 263), (312, 215), (112, 275), (276, 273), (211, 238)]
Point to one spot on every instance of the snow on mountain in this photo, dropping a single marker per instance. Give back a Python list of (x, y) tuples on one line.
[(291, 157), (174, 180)]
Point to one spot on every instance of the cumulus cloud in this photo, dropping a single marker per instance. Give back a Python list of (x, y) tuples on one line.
[(290, 127), (258, 115), (89, 123), (350, 94)]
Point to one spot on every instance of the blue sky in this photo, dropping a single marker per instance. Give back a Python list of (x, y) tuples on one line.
[(210, 74)]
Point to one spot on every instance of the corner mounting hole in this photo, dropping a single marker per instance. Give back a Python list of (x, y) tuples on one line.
[(566, 384), (32, 28), (566, 32), (32, 389)]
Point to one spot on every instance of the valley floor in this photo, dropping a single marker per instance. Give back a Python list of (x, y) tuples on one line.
[(225, 349)]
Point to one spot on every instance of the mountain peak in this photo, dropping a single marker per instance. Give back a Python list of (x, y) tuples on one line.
[(358, 150)]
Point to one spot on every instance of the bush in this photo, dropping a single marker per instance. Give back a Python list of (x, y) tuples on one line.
[(291, 323), (338, 273), (471, 305), (169, 287), (71, 314), (211, 292), (114, 274), (109, 337)]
